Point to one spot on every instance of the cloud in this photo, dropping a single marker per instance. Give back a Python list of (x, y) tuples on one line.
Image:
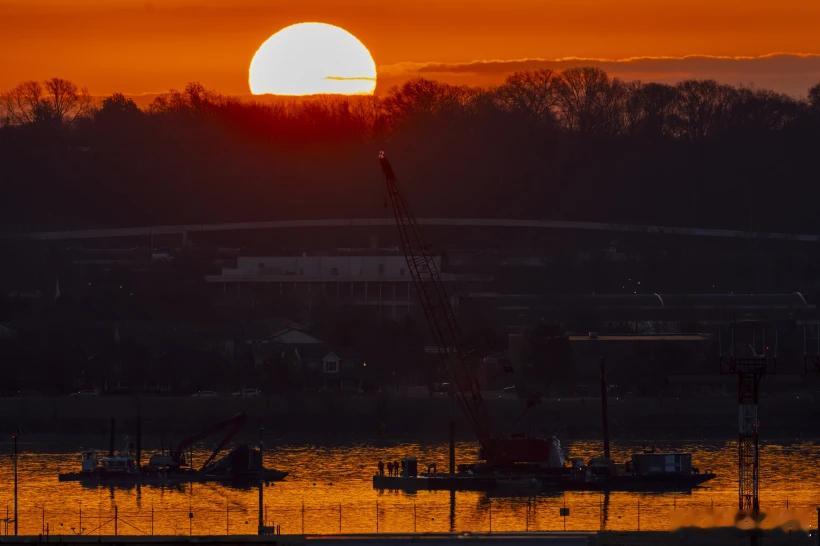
[(787, 73)]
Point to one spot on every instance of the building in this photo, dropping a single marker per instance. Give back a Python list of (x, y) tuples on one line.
[(377, 281), (302, 359)]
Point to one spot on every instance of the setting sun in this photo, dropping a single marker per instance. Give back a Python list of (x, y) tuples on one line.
[(312, 59)]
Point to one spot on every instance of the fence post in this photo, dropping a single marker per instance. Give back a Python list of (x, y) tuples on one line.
[(227, 518), (490, 504), (340, 518), (303, 517), (377, 517), (414, 515), (527, 517), (116, 520), (81, 520), (152, 519), (639, 514)]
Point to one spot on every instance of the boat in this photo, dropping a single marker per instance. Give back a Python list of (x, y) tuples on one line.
[(242, 466), (647, 471)]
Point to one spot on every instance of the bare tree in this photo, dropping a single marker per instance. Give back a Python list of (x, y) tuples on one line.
[(66, 101), (194, 98), (22, 103), (421, 97), (590, 102), (650, 110), (703, 107), (814, 98), (535, 93), (56, 100)]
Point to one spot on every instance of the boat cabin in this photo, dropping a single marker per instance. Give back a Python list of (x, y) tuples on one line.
[(647, 464)]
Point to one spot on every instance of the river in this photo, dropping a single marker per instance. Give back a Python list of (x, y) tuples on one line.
[(329, 490)]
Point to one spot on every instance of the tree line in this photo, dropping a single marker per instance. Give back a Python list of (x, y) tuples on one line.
[(575, 145)]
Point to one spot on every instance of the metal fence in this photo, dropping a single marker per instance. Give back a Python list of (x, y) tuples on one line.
[(393, 516)]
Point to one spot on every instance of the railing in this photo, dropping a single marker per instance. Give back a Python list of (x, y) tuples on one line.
[(484, 515)]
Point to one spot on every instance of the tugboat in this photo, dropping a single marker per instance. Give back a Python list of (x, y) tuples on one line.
[(109, 466)]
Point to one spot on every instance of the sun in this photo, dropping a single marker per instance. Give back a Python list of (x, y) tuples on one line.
[(312, 59)]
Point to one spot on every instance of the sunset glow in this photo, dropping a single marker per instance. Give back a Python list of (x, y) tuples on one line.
[(311, 59)]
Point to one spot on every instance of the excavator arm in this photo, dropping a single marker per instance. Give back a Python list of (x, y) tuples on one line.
[(231, 426)]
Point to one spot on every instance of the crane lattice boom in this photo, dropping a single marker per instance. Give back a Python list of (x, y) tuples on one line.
[(444, 326)]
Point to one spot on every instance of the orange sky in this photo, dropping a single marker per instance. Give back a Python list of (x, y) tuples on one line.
[(139, 46)]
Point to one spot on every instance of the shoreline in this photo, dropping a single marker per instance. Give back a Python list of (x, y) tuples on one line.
[(375, 418)]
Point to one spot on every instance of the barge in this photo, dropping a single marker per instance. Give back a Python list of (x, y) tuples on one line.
[(240, 467), (647, 471)]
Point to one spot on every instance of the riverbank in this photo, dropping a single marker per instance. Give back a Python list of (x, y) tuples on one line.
[(419, 418)]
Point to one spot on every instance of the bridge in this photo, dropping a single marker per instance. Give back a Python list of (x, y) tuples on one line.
[(185, 229)]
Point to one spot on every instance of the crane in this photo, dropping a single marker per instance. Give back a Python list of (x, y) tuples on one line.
[(496, 450)]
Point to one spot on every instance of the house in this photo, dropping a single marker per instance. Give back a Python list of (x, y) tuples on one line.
[(307, 361)]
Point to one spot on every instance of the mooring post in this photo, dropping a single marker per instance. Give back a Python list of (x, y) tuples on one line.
[(490, 512), (527, 517), (452, 448)]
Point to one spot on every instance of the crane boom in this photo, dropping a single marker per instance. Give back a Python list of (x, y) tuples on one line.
[(437, 307), (446, 332), (232, 426)]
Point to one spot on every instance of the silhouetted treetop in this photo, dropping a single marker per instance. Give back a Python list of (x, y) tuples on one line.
[(568, 145)]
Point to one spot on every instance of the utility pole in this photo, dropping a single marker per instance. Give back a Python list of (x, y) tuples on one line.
[(260, 515), (604, 409), (14, 470)]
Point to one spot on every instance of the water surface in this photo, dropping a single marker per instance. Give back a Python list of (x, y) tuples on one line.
[(329, 490)]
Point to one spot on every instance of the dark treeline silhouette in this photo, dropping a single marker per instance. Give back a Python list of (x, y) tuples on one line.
[(576, 145)]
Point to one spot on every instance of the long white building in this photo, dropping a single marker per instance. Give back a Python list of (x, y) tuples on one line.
[(381, 281)]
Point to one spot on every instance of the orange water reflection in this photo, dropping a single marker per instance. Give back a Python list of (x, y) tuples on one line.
[(329, 490)]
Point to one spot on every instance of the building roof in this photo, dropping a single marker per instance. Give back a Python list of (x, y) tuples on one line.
[(293, 336)]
